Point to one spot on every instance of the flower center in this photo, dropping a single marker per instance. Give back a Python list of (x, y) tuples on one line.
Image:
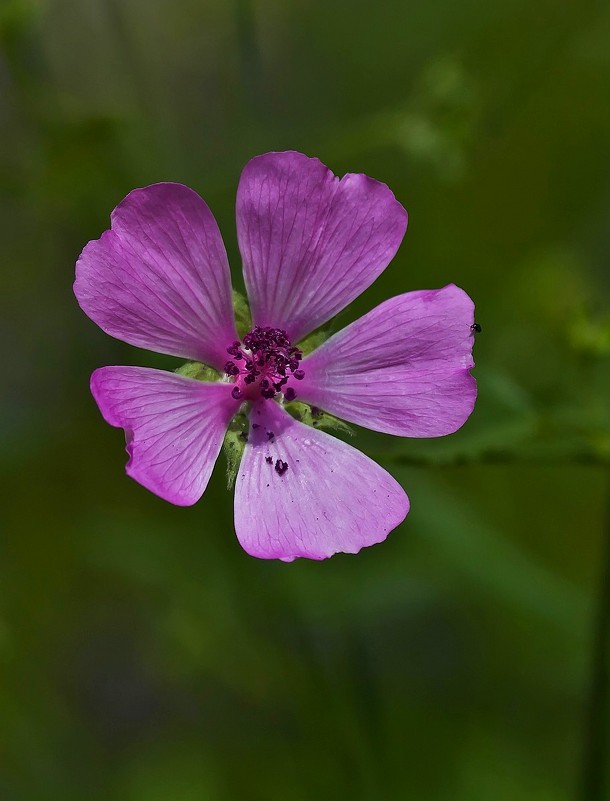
[(263, 364)]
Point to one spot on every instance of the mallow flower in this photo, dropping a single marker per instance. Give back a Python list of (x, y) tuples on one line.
[(159, 279)]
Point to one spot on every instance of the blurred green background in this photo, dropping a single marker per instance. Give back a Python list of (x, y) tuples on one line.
[(143, 655)]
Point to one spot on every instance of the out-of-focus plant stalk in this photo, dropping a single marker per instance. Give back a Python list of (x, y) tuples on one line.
[(249, 54), (583, 458), (596, 743)]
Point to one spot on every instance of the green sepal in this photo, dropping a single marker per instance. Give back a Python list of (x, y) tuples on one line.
[(243, 317), (316, 418), (198, 371), (233, 446), (313, 341)]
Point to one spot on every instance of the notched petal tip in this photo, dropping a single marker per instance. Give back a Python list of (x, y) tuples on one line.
[(158, 278), (311, 242), (280, 159)]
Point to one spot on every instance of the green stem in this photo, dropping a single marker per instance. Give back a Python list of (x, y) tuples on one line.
[(250, 59), (594, 780), (500, 458)]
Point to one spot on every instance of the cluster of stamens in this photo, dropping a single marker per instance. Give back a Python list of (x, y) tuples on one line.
[(263, 363)]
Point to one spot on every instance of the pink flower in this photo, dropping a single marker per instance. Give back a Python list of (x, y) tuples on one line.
[(159, 279)]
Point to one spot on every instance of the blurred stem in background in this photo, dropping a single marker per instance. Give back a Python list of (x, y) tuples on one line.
[(249, 55), (595, 740)]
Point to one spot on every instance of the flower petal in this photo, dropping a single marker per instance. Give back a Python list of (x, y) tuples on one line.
[(310, 242), (159, 278), (330, 499), (174, 426), (402, 369)]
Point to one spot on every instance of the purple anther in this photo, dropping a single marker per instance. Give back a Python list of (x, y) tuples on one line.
[(269, 361), (281, 467)]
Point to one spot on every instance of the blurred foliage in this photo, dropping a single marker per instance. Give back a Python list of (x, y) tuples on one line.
[(143, 655)]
